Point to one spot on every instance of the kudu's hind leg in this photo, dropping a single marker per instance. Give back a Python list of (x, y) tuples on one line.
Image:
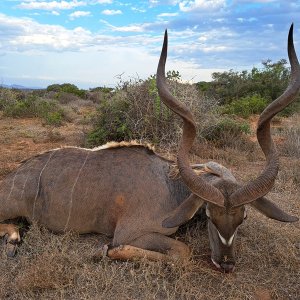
[(11, 236), (153, 246)]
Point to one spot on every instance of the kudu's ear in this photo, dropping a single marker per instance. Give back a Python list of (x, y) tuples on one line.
[(184, 212), (271, 211)]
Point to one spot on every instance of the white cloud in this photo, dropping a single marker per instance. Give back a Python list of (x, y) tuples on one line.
[(129, 28), (24, 34), (216, 49), (201, 5), (100, 1), (52, 5), (153, 2), (255, 1), (111, 12), (140, 10), (167, 15), (242, 20), (78, 14)]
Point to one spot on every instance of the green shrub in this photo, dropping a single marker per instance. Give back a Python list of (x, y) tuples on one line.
[(53, 87), (32, 106), (228, 133), (67, 88), (7, 97), (103, 89), (65, 98), (54, 118), (246, 106), (227, 125), (269, 82), (110, 123), (21, 108)]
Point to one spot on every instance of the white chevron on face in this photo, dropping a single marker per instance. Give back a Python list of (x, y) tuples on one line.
[(224, 241)]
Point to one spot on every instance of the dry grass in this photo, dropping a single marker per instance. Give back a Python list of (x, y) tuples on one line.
[(50, 266), (291, 134)]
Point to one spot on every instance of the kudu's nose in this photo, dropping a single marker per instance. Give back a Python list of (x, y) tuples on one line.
[(228, 267)]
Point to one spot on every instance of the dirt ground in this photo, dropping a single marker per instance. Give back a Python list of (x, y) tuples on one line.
[(50, 266)]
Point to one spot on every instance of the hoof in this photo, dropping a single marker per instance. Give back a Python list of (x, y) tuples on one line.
[(11, 249), (101, 252), (11, 245)]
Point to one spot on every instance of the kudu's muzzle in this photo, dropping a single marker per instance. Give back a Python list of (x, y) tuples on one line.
[(222, 254)]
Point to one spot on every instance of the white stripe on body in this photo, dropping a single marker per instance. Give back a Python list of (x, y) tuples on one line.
[(72, 191), (38, 185)]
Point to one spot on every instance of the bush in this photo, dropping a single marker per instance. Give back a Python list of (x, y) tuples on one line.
[(99, 94), (228, 133), (67, 88), (269, 82), (7, 96), (54, 118), (31, 106), (246, 106), (110, 123), (65, 98), (21, 108), (135, 111)]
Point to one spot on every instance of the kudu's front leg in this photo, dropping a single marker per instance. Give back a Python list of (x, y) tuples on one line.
[(11, 236), (153, 246), (128, 252)]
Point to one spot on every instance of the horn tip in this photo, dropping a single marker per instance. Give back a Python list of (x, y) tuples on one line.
[(291, 29), (166, 35), (290, 37)]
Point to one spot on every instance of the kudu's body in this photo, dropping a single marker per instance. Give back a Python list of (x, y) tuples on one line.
[(126, 191)]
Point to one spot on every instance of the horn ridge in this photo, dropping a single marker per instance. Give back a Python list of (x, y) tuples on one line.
[(195, 183)]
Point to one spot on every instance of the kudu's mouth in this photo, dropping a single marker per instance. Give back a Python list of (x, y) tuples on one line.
[(226, 266)]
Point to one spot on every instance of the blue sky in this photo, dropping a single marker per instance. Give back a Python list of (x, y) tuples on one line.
[(91, 42)]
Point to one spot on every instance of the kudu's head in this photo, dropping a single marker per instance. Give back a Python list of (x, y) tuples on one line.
[(226, 199)]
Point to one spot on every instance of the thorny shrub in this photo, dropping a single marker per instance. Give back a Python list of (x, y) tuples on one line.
[(229, 133), (135, 111)]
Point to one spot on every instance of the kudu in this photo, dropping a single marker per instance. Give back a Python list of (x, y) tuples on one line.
[(124, 190)]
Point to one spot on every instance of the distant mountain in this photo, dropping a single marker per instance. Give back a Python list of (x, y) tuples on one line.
[(19, 87)]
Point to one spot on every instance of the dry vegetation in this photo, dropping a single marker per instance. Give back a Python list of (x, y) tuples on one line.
[(50, 266)]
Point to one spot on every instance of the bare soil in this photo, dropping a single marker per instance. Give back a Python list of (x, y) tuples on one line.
[(50, 266)]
